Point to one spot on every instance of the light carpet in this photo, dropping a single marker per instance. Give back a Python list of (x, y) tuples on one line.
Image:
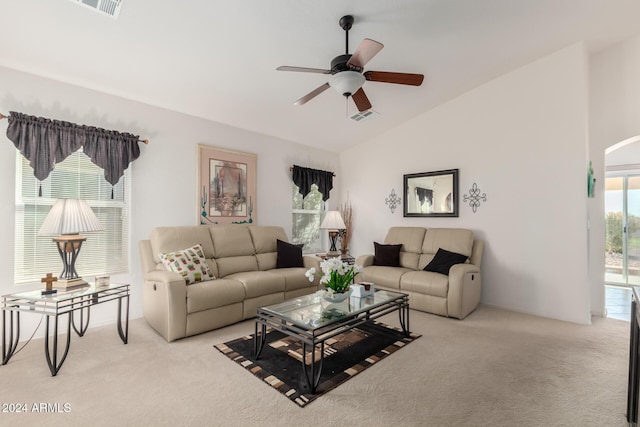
[(495, 368)]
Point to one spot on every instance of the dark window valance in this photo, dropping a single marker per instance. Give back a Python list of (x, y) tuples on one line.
[(45, 142), (304, 178), (424, 194)]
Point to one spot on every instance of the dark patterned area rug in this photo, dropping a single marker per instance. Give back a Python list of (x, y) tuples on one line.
[(346, 355)]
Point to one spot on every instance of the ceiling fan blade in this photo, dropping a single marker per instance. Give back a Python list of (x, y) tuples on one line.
[(303, 69), (308, 97), (361, 100), (363, 54), (397, 78)]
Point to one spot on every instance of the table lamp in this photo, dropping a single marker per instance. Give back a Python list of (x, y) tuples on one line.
[(333, 222), (66, 219)]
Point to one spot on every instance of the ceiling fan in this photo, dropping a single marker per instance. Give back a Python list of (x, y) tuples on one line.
[(347, 71)]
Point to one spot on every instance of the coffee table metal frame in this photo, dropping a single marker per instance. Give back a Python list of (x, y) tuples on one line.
[(56, 305), (313, 336)]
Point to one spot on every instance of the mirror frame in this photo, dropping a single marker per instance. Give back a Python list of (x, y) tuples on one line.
[(454, 193)]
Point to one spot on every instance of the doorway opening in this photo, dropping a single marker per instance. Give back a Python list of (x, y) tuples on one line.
[(622, 225)]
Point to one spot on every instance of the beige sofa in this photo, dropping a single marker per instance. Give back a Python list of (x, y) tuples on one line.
[(243, 260), (455, 295)]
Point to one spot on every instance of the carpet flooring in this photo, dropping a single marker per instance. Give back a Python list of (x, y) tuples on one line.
[(345, 356), (494, 368)]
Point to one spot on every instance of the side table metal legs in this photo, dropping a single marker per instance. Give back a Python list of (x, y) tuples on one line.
[(124, 335), (54, 365), (8, 350), (84, 324)]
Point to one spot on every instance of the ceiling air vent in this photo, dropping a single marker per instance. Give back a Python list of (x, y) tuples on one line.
[(364, 115), (107, 7)]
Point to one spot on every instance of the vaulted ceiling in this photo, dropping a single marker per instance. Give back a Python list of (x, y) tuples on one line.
[(217, 59)]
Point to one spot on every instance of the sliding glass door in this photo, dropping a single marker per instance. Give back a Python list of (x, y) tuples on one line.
[(622, 216)]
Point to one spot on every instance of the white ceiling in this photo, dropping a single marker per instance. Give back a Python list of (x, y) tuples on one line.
[(217, 59)]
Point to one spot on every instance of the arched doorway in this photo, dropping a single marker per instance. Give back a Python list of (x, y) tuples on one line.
[(622, 225)]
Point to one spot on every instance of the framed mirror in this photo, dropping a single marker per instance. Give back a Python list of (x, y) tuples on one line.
[(431, 194)]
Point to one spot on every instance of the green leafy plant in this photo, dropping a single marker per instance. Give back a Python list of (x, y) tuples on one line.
[(337, 275)]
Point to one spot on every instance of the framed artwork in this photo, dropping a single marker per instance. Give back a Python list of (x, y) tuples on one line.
[(431, 194), (226, 186)]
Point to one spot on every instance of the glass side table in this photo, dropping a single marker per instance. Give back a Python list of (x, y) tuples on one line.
[(56, 305)]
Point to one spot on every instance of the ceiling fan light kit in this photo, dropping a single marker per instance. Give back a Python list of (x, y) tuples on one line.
[(347, 71), (347, 82)]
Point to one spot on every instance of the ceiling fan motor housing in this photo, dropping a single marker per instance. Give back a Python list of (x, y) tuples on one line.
[(339, 63)]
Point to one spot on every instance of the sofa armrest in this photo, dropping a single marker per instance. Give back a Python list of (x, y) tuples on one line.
[(465, 284), (164, 303), (312, 261), (365, 260)]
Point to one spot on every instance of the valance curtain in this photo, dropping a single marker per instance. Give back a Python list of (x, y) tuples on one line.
[(45, 142), (424, 194), (304, 178)]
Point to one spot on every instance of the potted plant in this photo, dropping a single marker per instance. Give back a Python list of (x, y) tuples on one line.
[(337, 277)]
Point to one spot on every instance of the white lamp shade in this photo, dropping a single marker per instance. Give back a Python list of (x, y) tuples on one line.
[(333, 221), (70, 216), (347, 82)]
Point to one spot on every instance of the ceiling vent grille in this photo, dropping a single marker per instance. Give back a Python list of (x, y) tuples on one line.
[(364, 115), (106, 7)]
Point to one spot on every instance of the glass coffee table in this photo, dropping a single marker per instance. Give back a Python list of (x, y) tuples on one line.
[(55, 305), (312, 320)]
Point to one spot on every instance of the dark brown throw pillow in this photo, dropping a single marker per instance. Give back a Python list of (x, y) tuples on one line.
[(387, 255), (444, 260), (289, 255)]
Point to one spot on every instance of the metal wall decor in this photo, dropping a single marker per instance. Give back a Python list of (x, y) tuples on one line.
[(474, 197), (393, 201)]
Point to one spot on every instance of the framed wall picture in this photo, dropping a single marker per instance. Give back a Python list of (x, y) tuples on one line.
[(431, 194), (226, 182)]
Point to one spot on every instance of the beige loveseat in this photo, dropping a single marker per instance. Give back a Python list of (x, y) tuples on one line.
[(243, 260), (455, 295)]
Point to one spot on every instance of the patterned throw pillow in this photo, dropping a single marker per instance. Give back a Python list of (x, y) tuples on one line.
[(190, 263)]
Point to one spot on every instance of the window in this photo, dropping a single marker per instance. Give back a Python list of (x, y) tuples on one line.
[(307, 214), (104, 252)]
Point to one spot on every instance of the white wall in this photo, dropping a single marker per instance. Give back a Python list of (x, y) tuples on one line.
[(522, 138), (614, 116), (163, 177)]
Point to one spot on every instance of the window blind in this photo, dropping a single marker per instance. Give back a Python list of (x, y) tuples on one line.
[(104, 252)]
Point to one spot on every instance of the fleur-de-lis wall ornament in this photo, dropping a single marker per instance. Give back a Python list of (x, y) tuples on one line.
[(393, 201), (474, 197)]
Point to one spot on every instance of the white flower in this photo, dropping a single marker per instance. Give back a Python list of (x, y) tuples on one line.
[(310, 273)]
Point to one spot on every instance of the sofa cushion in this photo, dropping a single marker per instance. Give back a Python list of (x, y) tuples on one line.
[(171, 239), (231, 241), (387, 255), (190, 263), (386, 277), (259, 283), (294, 278), (444, 260), (264, 237), (411, 238), (289, 255), (456, 240), (425, 282), (213, 294)]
